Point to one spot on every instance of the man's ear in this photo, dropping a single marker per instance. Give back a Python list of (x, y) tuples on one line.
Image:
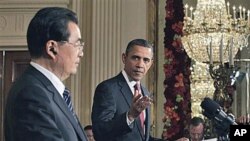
[(51, 48), (123, 57)]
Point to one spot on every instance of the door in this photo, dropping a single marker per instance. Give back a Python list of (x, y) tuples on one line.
[(13, 63)]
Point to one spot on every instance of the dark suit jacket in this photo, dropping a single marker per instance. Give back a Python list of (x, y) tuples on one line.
[(35, 111), (112, 101)]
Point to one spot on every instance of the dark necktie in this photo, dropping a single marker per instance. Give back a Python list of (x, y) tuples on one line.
[(142, 118), (67, 98)]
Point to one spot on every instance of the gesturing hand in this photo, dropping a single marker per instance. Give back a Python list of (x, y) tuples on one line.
[(139, 103), (245, 119)]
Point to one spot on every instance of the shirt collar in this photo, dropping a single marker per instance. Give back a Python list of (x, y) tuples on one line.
[(131, 83), (57, 83)]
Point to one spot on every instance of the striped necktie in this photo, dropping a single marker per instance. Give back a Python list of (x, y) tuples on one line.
[(67, 98)]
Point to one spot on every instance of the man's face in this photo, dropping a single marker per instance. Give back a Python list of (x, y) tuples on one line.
[(196, 132), (137, 62), (70, 52)]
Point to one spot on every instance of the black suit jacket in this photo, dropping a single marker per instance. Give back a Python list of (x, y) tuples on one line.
[(112, 101), (35, 111)]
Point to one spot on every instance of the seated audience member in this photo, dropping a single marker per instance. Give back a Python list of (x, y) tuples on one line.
[(89, 133), (195, 129)]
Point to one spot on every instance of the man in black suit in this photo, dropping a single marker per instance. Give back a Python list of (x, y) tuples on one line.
[(120, 110), (38, 105)]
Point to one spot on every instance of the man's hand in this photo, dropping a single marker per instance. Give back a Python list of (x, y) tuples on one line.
[(245, 119), (139, 103)]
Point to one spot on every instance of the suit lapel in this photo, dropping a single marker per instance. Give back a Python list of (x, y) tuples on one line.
[(125, 90), (62, 105), (128, 96), (147, 123), (147, 111), (59, 101)]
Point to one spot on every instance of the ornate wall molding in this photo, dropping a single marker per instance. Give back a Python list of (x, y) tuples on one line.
[(15, 16), (13, 26), (24, 4)]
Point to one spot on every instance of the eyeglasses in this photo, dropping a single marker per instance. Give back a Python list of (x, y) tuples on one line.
[(79, 44)]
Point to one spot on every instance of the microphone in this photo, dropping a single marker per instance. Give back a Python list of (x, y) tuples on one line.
[(214, 112)]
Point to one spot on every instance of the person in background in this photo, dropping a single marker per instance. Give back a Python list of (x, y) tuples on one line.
[(196, 130), (38, 106), (121, 105), (89, 132)]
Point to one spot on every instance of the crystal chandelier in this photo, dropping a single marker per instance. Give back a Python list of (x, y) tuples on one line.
[(212, 34), (201, 86)]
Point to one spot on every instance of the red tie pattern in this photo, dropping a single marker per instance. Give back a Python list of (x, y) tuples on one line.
[(142, 118)]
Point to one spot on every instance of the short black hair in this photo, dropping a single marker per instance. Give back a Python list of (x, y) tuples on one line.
[(88, 127), (195, 121), (49, 23), (138, 42)]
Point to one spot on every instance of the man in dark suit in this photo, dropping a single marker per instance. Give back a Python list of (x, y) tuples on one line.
[(121, 109), (38, 105)]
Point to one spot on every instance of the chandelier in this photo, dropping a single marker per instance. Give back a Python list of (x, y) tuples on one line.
[(201, 86), (212, 34)]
